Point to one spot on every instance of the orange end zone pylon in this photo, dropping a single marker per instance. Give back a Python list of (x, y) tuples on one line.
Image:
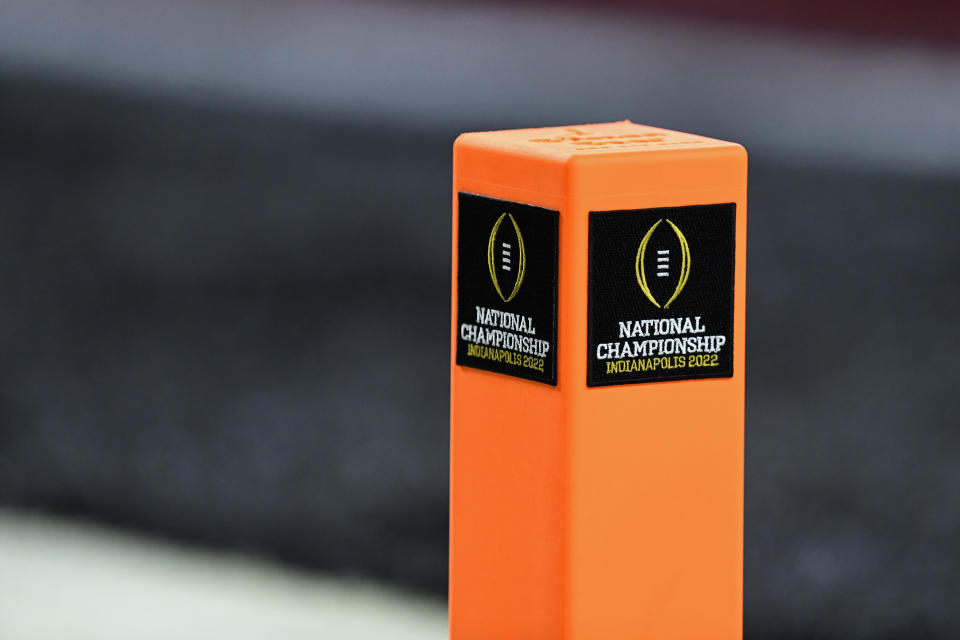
[(597, 385)]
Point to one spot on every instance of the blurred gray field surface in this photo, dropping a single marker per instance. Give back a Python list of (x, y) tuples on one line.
[(61, 579), (227, 307)]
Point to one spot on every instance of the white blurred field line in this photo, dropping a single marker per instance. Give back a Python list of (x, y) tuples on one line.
[(66, 581), (462, 66)]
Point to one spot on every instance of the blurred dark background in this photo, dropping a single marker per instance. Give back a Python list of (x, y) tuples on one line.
[(224, 260)]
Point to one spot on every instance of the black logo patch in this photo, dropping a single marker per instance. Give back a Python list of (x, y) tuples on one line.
[(660, 294), (507, 288)]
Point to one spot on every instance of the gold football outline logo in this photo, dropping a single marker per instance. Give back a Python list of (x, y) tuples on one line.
[(491, 262), (684, 264)]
